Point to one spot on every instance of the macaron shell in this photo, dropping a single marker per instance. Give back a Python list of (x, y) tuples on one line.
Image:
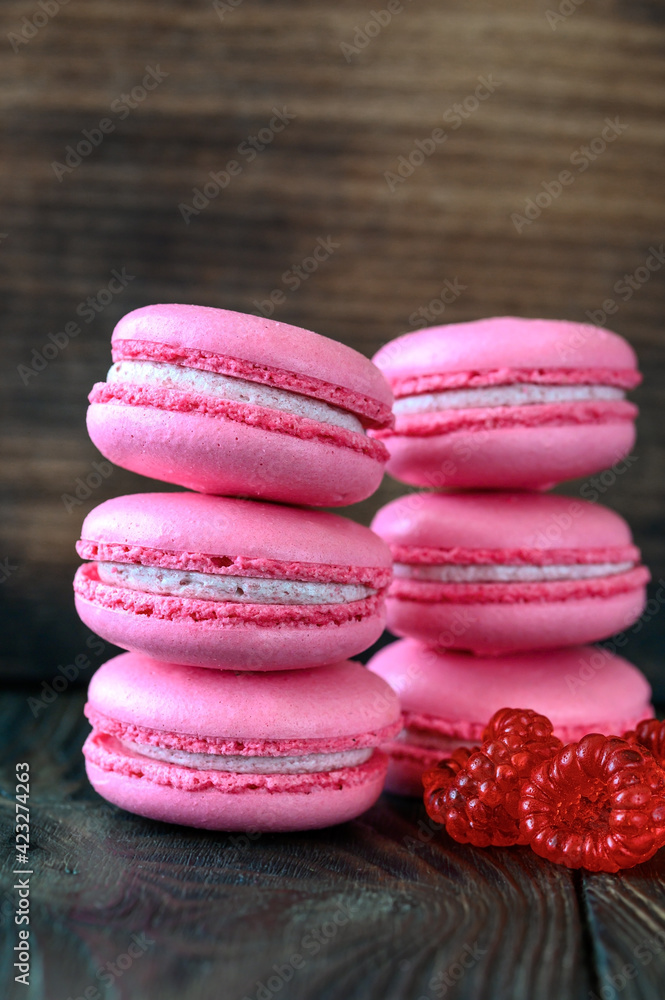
[(580, 689), (241, 646), (222, 526), (501, 520), (504, 342), (214, 455), (503, 628), (255, 339), (526, 526), (509, 457), (257, 811), (341, 699)]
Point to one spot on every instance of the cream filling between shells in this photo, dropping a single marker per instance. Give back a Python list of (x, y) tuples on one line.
[(452, 573), (524, 394), (304, 764), (237, 589), (238, 390)]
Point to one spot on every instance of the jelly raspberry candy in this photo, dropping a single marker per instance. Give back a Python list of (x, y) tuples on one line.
[(480, 804), (599, 804), (527, 736), (479, 801), (437, 780), (650, 733), (524, 731)]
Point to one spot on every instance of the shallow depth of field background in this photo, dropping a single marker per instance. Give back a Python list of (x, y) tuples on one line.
[(441, 244)]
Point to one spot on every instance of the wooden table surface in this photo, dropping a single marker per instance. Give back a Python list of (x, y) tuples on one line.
[(383, 908)]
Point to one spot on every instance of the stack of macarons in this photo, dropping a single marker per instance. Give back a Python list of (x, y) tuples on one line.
[(235, 706), (499, 586)]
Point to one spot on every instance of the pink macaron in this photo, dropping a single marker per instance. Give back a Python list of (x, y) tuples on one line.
[(499, 572), (222, 402), (448, 698), (507, 403), (228, 583), (221, 750)]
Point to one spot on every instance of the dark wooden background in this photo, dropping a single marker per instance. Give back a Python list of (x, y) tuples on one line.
[(322, 176)]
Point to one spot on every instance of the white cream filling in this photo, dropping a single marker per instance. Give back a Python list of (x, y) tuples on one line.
[(239, 589), (503, 395), (508, 574), (305, 764), (229, 387)]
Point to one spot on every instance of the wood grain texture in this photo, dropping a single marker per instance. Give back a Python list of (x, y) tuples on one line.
[(626, 915), (384, 907), (322, 176)]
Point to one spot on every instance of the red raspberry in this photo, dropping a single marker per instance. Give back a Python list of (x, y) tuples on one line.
[(478, 798), (479, 806), (437, 780), (650, 733), (599, 804), (523, 730)]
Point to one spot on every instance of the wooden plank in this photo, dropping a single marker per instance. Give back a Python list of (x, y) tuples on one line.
[(626, 919), (379, 908)]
